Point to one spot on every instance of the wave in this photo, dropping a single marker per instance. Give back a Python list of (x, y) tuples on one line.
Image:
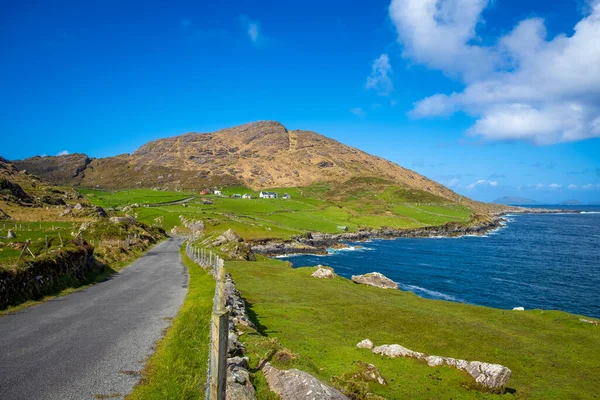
[(431, 293), (300, 255), (590, 212), (351, 248)]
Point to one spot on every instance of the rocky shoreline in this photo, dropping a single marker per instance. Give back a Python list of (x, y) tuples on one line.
[(317, 243)]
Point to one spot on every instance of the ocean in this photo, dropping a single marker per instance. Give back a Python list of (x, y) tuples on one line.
[(545, 261)]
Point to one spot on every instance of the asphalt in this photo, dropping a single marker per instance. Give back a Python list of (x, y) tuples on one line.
[(93, 343)]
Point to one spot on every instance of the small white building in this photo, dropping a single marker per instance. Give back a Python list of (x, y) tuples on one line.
[(247, 196), (267, 195), (218, 193)]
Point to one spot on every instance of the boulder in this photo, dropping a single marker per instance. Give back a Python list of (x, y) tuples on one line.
[(78, 207), (11, 234), (491, 376), (365, 344), (395, 350), (128, 220), (100, 212), (227, 237), (323, 273), (294, 384), (375, 279)]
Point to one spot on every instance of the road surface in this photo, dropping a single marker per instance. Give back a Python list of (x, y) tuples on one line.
[(93, 343)]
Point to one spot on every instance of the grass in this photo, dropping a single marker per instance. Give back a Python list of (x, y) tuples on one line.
[(177, 370), (552, 354), (120, 198), (36, 232)]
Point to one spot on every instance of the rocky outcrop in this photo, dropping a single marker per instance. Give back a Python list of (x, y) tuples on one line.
[(375, 279), (589, 321), (294, 384), (280, 248), (492, 377), (369, 373), (127, 220), (365, 344), (323, 273), (11, 234), (3, 215), (226, 237)]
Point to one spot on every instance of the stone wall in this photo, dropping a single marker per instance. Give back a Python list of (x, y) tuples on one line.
[(34, 279)]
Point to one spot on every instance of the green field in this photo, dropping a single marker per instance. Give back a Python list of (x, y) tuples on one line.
[(552, 354), (36, 232), (320, 208), (121, 198)]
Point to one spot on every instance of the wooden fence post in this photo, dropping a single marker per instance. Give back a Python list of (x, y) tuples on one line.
[(25, 248)]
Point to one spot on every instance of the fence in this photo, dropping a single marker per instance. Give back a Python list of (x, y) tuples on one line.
[(219, 325)]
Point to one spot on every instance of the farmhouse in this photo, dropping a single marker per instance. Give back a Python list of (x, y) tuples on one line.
[(218, 193), (247, 196), (267, 195)]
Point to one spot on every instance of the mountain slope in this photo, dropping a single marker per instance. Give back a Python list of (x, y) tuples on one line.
[(258, 155)]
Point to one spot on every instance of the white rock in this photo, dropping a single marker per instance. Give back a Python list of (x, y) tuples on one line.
[(493, 376), (365, 344), (395, 350), (375, 279), (519, 309), (323, 273)]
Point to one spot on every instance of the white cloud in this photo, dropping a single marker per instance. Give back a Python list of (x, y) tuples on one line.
[(453, 182), (252, 29), (380, 80), (359, 112), (572, 186), (554, 186), (63, 153), (524, 87), (481, 182)]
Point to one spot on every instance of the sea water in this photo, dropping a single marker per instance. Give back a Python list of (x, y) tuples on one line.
[(546, 261)]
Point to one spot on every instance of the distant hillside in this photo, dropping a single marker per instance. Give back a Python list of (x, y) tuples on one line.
[(570, 203), (258, 155), (512, 201), (23, 194)]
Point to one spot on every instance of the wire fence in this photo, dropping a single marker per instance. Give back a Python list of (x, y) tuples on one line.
[(219, 325)]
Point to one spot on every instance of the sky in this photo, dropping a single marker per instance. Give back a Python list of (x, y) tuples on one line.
[(489, 97)]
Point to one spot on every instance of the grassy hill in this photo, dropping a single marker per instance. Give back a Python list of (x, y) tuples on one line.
[(258, 155)]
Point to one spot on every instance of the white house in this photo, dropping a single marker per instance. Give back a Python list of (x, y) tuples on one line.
[(218, 193), (267, 195), (247, 196)]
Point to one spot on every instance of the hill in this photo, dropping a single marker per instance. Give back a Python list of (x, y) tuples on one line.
[(518, 201), (570, 202), (257, 155)]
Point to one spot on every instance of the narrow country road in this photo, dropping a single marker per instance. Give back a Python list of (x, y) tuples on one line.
[(93, 343)]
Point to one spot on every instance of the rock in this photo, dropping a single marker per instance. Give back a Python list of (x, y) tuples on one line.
[(370, 373), (365, 344), (323, 273), (227, 237), (491, 376), (100, 212), (294, 384), (589, 321), (519, 309), (78, 207), (375, 279), (239, 386), (128, 220), (68, 210), (11, 234), (395, 350)]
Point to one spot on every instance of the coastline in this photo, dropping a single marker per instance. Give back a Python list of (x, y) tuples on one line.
[(318, 243)]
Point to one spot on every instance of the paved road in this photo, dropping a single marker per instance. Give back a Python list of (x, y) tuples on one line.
[(93, 343)]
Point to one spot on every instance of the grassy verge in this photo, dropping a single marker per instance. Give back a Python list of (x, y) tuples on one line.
[(91, 279), (177, 370), (552, 354)]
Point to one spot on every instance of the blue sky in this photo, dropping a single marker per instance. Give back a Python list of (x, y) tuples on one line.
[(491, 98)]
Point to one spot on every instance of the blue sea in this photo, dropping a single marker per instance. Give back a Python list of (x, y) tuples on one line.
[(547, 261)]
